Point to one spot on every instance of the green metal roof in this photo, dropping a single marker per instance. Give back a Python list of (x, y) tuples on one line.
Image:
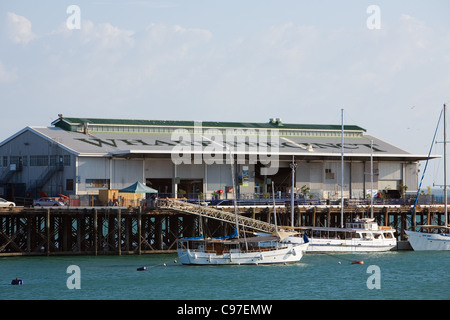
[(64, 122)]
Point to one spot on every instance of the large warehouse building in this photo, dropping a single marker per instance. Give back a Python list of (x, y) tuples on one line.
[(78, 157)]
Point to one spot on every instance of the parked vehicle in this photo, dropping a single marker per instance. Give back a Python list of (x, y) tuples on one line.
[(47, 202), (4, 203)]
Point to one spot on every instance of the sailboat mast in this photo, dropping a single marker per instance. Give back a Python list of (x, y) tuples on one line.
[(233, 179), (342, 168), (445, 165), (292, 191), (234, 194), (274, 208), (371, 178)]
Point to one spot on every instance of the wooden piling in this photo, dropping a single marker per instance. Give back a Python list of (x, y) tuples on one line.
[(47, 231), (139, 225), (95, 231), (314, 217), (119, 232)]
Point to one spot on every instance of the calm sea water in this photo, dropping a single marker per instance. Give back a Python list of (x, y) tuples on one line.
[(402, 275)]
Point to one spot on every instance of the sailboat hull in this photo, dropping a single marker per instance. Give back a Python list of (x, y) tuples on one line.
[(349, 246), (422, 241), (291, 254)]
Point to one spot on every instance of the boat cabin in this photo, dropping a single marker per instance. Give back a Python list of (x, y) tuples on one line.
[(366, 224), (219, 247), (360, 229)]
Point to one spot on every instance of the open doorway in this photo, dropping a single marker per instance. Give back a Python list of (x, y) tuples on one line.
[(190, 188), (164, 186), (282, 181)]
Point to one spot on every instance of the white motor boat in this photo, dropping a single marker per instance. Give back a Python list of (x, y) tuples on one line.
[(362, 235)]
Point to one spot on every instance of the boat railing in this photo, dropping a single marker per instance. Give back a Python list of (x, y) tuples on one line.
[(198, 246), (247, 250)]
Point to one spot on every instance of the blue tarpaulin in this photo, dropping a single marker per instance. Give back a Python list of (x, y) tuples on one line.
[(231, 236)]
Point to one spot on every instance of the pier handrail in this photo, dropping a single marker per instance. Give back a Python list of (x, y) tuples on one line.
[(205, 211)]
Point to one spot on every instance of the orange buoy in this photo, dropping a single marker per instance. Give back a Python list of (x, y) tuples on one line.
[(358, 262)]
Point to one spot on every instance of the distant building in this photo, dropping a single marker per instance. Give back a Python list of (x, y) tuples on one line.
[(78, 157)]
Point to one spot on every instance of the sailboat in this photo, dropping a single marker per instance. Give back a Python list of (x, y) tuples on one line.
[(278, 247), (429, 237), (272, 249), (361, 235), (433, 237)]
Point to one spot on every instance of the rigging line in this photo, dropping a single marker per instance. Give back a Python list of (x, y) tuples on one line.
[(347, 114), (165, 264), (437, 168), (281, 183), (426, 164)]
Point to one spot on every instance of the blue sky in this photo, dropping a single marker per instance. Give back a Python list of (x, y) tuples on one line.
[(301, 61)]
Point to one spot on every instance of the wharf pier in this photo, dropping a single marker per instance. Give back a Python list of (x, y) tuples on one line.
[(120, 231)]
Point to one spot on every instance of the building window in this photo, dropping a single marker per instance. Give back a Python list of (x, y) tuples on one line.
[(37, 161), (97, 183), (69, 184), (67, 160), (15, 160), (53, 160), (329, 175), (56, 160), (19, 161)]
